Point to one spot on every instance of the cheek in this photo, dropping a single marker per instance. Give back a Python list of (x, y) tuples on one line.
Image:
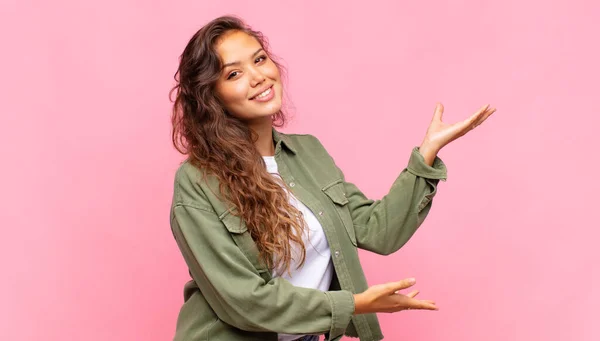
[(233, 93), (272, 71)]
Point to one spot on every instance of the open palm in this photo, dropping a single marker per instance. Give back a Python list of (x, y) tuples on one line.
[(439, 134)]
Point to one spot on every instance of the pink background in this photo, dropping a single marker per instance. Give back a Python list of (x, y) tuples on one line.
[(509, 251)]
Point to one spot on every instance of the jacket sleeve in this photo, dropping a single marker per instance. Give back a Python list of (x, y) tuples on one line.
[(384, 226), (234, 288)]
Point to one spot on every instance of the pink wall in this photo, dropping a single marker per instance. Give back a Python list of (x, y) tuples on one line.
[(509, 251)]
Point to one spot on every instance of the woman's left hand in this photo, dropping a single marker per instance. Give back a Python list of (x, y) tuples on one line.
[(439, 134)]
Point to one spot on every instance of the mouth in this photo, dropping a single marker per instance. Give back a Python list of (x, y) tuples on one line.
[(265, 95)]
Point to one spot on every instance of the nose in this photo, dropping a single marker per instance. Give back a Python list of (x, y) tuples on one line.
[(256, 77)]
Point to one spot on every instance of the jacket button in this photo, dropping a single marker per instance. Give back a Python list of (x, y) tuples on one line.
[(292, 184), (320, 212), (337, 253)]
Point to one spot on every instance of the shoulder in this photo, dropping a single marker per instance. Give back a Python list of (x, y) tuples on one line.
[(189, 186), (312, 155), (305, 143), (187, 174), (300, 138)]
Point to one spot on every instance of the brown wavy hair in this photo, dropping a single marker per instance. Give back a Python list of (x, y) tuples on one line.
[(222, 145)]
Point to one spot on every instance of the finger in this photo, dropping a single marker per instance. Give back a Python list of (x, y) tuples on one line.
[(466, 125), (413, 293), (478, 120), (439, 112), (477, 115), (484, 117), (422, 304), (426, 306), (403, 284)]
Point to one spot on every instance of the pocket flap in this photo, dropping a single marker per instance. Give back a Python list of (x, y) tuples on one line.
[(336, 192), (232, 223), (236, 226)]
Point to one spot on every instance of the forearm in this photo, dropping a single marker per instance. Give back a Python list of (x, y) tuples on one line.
[(383, 226)]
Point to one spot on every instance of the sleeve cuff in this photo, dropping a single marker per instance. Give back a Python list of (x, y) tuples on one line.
[(418, 167), (342, 306)]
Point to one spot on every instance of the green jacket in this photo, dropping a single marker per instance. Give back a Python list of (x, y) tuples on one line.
[(232, 295)]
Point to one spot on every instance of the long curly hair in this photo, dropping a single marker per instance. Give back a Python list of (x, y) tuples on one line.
[(222, 145)]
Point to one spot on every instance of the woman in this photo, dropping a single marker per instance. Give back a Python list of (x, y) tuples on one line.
[(265, 221)]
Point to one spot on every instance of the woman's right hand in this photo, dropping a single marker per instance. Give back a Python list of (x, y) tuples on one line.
[(384, 298)]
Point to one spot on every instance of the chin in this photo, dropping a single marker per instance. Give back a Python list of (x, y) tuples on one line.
[(260, 115), (271, 109), (268, 113)]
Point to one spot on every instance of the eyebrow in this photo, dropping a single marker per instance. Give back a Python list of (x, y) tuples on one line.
[(235, 63)]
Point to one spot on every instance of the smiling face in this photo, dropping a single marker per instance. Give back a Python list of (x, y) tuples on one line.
[(249, 85)]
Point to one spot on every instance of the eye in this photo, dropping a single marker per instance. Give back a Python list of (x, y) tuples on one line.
[(231, 75), (260, 59)]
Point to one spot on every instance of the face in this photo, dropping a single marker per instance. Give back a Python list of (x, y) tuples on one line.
[(249, 85)]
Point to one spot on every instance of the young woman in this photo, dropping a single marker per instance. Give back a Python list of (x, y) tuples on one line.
[(266, 222)]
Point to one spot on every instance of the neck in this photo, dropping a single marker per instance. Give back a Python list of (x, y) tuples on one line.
[(264, 143)]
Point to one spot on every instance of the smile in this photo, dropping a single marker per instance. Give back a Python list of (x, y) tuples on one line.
[(265, 95)]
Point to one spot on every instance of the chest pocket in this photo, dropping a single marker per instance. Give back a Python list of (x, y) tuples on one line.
[(241, 237), (336, 193)]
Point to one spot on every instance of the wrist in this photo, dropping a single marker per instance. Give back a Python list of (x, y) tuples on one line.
[(428, 152), (359, 304)]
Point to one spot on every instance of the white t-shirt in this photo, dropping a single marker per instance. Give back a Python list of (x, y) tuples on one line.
[(317, 271)]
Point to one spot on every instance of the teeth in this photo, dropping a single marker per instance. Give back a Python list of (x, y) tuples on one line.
[(264, 93)]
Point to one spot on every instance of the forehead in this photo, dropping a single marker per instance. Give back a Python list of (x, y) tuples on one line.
[(236, 46)]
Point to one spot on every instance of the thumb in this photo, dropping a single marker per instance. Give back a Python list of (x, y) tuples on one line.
[(439, 111), (403, 284)]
